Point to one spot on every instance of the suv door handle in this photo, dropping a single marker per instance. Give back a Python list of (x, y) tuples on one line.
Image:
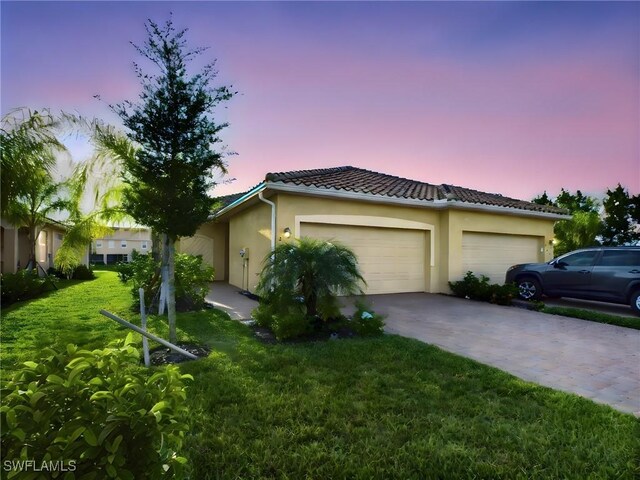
[(634, 271), (584, 271)]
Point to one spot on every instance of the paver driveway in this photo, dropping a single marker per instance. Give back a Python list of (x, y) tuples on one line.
[(601, 362)]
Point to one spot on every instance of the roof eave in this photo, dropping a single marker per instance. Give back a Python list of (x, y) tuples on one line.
[(432, 204), (244, 198)]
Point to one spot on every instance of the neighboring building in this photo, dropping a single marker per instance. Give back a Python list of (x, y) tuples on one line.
[(118, 246), (15, 245), (409, 236)]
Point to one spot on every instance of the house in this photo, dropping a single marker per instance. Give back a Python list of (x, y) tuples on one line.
[(15, 245), (409, 236), (120, 244)]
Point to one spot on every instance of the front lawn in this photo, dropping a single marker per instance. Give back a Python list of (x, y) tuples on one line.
[(369, 408)]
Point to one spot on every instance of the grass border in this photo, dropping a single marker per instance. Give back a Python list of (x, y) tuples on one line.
[(599, 317)]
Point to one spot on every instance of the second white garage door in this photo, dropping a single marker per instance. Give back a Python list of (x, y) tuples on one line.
[(492, 254), (392, 260)]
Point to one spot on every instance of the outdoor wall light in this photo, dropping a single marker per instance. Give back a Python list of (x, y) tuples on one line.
[(287, 232)]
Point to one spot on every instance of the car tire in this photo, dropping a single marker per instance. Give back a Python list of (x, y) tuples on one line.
[(529, 288), (635, 302)]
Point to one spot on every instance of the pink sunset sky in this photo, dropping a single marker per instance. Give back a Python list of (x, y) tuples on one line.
[(506, 97)]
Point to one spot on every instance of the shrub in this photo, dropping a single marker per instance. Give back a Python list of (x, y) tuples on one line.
[(286, 321), (98, 409), (192, 278), (81, 272), (299, 285), (479, 289), (366, 322), (22, 285)]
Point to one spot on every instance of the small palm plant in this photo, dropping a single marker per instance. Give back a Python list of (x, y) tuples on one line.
[(312, 273)]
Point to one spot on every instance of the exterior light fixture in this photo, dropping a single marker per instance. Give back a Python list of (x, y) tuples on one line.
[(287, 232)]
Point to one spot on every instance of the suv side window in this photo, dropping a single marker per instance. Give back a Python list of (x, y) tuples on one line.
[(620, 258), (580, 259)]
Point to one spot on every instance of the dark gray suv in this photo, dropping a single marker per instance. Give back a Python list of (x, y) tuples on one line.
[(605, 274)]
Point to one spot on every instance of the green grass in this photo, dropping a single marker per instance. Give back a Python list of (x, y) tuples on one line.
[(372, 408), (629, 322)]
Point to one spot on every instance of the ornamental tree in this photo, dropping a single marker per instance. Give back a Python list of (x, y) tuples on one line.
[(622, 217), (168, 178)]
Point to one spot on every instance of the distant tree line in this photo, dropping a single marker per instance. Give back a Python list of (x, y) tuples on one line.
[(614, 221)]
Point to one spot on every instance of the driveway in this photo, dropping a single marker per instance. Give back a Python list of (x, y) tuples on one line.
[(597, 361)]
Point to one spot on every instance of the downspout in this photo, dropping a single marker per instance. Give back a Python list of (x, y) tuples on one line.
[(273, 220)]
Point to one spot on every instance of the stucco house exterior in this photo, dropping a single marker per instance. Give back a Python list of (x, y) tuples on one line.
[(409, 236), (120, 244), (14, 244)]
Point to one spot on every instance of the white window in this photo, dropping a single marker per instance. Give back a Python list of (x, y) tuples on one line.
[(111, 244), (143, 245), (123, 244), (98, 243)]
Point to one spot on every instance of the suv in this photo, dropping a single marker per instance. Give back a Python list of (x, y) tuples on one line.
[(605, 274)]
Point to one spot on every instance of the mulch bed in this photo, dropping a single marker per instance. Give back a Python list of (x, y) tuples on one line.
[(265, 335), (163, 355)]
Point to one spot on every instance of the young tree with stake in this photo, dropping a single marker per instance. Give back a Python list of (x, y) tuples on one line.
[(168, 178)]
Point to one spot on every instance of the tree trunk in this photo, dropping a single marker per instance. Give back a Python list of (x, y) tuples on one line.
[(33, 240), (168, 262)]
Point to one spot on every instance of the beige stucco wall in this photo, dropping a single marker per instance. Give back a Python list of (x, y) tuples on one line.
[(134, 238), (445, 227), (219, 232), (15, 246), (250, 228)]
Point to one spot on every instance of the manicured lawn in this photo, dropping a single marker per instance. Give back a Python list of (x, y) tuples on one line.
[(629, 322), (380, 408)]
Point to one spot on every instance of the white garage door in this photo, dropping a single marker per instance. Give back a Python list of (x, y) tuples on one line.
[(492, 254), (391, 260), (198, 245)]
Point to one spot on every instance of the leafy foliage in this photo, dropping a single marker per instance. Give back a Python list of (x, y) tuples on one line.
[(81, 272), (167, 178), (479, 288), (169, 175), (312, 273), (28, 145), (22, 285), (366, 322), (583, 229), (622, 217), (113, 418), (192, 278), (284, 320)]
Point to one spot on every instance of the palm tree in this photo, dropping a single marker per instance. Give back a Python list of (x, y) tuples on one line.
[(99, 176), (28, 146), (39, 198), (313, 272)]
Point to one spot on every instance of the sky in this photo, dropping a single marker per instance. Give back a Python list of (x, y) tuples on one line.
[(505, 97)]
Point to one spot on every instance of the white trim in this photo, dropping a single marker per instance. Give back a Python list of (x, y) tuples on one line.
[(247, 196), (369, 221), (273, 219), (431, 204)]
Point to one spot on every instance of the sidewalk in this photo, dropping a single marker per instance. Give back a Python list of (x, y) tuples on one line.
[(228, 298)]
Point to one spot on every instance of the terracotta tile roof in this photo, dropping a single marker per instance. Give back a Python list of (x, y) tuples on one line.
[(358, 180)]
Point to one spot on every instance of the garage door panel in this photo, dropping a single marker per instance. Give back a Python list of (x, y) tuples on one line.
[(492, 254), (391, 260)]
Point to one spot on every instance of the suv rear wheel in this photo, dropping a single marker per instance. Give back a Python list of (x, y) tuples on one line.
[(635, 302), (529, 288)]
